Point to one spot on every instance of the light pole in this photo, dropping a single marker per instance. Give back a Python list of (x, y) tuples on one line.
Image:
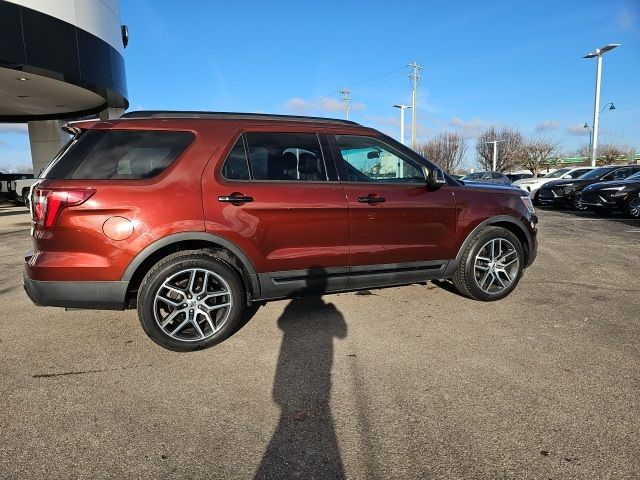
[(495, 153), (596, 104), (402, 109), (590, 128)]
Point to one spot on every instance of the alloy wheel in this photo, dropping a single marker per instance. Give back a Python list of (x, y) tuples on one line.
[(192, 305), (634, 207), (496, 265)]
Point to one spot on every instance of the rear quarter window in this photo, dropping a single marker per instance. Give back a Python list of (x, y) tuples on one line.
[(120, 154)]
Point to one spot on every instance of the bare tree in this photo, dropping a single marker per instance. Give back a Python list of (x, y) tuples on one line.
[(445, 150), (509, 148), (583, 151), (538, 152), (613, 152)]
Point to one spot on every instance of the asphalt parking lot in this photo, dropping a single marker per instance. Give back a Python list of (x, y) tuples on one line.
[(411, 382)]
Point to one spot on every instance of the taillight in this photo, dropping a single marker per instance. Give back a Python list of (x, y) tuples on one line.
[(47, 204)]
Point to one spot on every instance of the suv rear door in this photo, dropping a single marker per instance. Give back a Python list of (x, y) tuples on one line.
[(275, 193), (400, 231)]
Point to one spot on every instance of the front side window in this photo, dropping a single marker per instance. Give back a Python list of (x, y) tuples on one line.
[(578, 173), (277, 156), (369, 160), (619, 174)]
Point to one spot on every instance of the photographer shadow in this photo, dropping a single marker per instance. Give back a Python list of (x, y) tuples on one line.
[(304, 444)]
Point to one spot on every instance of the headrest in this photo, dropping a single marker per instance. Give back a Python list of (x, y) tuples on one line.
[(289, 161), (308, 164)]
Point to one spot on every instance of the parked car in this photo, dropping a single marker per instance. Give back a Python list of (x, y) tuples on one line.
[(197, 218), (8, 183), (20, 189), (622, 195), (532, 185), (487, 177), (568, 193), (518, 176)]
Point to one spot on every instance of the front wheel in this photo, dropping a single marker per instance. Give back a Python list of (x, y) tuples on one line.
[(576, 202), (191, 300), (491, 265), (632, 207)]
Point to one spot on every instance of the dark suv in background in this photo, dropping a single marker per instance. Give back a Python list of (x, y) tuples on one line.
[(196, 218), (568, 193), (622, 195)]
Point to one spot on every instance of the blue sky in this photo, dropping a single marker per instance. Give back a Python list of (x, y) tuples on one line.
[(511, 63)]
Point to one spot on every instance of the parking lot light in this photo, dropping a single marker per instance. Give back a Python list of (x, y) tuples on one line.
[(596, 106)]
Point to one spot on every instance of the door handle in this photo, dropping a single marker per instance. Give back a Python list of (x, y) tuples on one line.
[(235, 198), (371, 199)]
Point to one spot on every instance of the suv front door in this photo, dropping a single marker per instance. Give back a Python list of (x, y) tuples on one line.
[(400, 230)]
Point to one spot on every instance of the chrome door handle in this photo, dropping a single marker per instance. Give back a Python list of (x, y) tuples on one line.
[(235, 198), (371, 199)]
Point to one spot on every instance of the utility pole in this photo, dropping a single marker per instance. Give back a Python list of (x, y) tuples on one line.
[(345, 98), (495, 153), (415, 80)]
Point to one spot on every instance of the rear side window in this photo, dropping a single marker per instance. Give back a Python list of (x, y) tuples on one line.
[(276, 156), (120, 154)]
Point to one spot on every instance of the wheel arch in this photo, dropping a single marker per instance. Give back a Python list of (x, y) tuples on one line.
[(512, 224), (154, 252)]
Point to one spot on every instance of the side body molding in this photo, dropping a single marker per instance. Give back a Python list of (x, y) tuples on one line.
[(201, 236)]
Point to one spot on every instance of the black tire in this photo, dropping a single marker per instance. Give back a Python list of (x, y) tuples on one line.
[(536, 198), (632, 207), (576, 202), (169, 267), (465, 278)]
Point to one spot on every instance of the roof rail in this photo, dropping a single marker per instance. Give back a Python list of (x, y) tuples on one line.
[(232, 116)]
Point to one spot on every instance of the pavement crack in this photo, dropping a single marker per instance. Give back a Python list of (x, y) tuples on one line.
[(83, 372)]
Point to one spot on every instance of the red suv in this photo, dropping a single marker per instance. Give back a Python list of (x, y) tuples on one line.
[(196, 218)]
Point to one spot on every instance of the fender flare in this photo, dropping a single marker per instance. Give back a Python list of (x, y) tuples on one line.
[(453, 264), (202, 236)]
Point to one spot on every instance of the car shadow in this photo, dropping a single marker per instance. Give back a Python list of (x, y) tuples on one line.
[(304, 444)]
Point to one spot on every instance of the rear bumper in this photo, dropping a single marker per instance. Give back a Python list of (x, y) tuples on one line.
[(90, 295)]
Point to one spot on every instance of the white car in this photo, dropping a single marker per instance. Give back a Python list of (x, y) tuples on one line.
[(532, 185)]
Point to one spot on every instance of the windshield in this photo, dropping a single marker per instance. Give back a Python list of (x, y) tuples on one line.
[(557, 173), (595, 174)]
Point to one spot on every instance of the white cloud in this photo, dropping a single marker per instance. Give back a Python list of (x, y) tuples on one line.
[(626, 19), (546, 126), (469, 129), (577, 129), (13, 128), (323, 104)]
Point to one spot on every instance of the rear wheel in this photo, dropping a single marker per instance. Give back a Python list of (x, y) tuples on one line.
[(632, 207), (491, 265), (191, 300)]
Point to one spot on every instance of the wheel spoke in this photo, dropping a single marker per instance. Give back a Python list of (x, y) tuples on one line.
[(192, 279), (170, 301), (219, 306), (175, 290), (176, 330), (194, 321), (170, 317), (215, 294)]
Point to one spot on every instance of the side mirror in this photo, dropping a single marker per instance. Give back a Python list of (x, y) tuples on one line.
[(435, 178), (566, 176), (372, 155)]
